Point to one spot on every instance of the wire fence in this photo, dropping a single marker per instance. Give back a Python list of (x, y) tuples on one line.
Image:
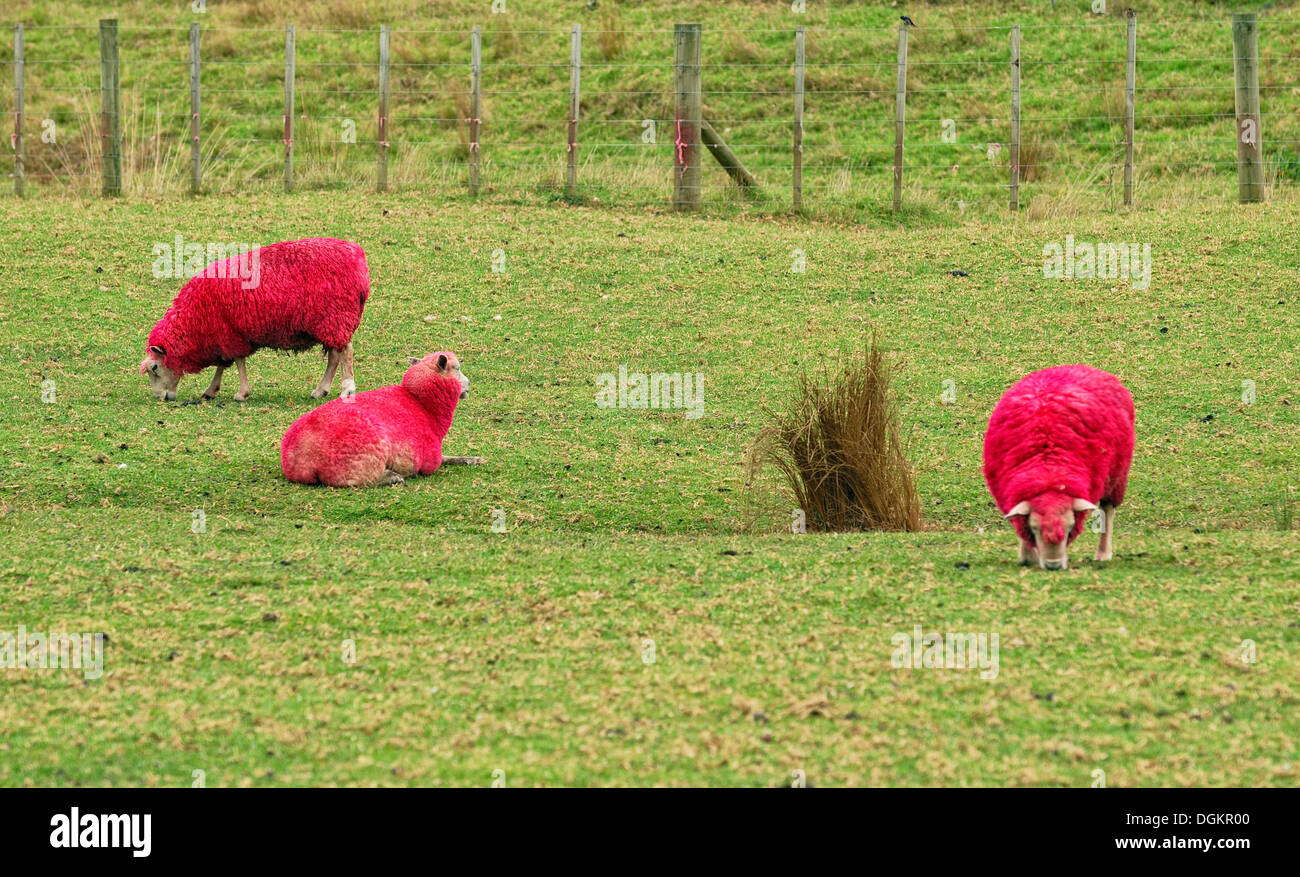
[(960, 141)]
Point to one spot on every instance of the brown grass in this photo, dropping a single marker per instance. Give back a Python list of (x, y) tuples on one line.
[(1035, 160), (840, 450), (503, 40), (738, 49), (611, 37)]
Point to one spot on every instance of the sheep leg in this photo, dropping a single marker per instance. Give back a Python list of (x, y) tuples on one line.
[(332, 358), (215, 386), (391, 477), (1028, 554), (243, 380), (347, 386), (1105, 545)]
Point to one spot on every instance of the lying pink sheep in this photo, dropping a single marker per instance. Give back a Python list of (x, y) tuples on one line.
[(1059, 445), (297, 295), (380, 436)]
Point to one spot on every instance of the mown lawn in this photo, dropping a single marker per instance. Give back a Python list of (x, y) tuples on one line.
[(629, 534)]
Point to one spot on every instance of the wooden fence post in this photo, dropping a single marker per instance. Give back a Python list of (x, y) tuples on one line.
[(900, 116), (19, 183), (475, 103), (196, 152), (382, 173), (797, 154), (1014, 162), (687, 115), (1130, 105), (110, 100), (289, 51), (722, 152), (1250, 147), (575, 86)]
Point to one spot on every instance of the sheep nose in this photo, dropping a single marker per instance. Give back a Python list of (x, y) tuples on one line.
[(1053, 564)]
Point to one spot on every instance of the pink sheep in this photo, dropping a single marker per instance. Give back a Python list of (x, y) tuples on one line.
[(1059, 444), (297, 294), (380, 436)]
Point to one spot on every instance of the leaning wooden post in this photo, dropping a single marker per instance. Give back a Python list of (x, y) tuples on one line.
[(900, 116), (1130, 105), (196, 152), (797, 154), (1250, 147), (19, 186), (110, 100), (382, 172), (722, 152), (687, 115), (288, 106), (1015, 117), (575, 86), (475, 102)]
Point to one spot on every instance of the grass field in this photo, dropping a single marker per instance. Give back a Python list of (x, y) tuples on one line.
[(628, 536), (1073, 96)]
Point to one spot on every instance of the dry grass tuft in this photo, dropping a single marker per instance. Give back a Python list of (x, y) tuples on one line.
[(1036, 158), (840, 450), (738, 49), (611, 38)]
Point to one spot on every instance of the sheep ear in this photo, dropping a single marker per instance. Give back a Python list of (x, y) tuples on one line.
[(1020, 508), (411, 360), (442, 362), (1082, 505), (154, 348)]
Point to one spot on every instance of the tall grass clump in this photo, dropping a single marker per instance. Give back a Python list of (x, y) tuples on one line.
[(840, 451)]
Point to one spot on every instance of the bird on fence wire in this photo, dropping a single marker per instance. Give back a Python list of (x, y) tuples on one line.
[(907, 21)]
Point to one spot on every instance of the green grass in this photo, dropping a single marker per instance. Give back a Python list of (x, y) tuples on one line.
[(522, 651), (1072, 91)]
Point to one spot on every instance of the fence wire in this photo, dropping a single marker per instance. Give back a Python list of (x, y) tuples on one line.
[(958, 143)]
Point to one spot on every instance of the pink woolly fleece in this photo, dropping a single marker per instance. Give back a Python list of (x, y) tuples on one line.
[(1059, 433), (350, 442), (309, 292)]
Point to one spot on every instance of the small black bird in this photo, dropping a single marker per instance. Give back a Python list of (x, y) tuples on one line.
[(907, 21)]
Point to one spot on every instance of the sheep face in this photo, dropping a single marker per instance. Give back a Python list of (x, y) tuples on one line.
[(1046, 525), (445, 364), (162, 380)]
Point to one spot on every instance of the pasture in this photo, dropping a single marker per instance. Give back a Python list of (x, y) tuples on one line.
[(595, 605)]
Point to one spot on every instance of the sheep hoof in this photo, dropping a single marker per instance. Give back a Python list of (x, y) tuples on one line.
[(318, 392), (391, 477), (207, 395), (241, 397), (1103, 557)]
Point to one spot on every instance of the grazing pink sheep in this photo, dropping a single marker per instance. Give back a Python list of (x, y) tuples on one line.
[(1059, 445), (380, 436), (297, 295)]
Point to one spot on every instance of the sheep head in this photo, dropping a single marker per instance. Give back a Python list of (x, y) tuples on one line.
[(435, 377), (162, 380), (1047, 524)]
